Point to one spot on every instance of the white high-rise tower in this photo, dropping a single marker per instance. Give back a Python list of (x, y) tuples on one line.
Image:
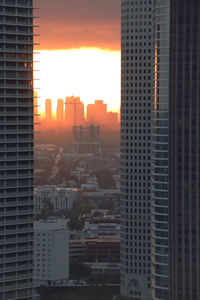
[(16, 149), (136, 115)]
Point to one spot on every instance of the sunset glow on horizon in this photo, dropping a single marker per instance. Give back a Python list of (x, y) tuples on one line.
[(89, 73)]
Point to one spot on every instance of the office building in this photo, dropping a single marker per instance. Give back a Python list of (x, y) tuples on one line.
[(74, 112), (136, 117), (16, 149), (60, 110), (51, 252), (48, 110), (160, 153), (184, 167)]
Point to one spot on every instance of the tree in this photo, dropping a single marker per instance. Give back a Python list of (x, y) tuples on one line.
[(79, 270)]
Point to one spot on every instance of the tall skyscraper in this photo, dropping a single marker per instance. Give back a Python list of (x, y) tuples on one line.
[(74, 111), (60, 110), (48, 110), (16, 148), (136, 117), (184, 167), (160, 153)]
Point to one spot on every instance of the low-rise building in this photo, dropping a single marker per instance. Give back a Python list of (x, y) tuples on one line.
[(100, 249), (60, 198)]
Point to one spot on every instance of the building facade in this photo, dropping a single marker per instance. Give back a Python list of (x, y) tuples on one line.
[(57, 198), (184, 167), (86, 139), (51, 252), (16, 149), (160, 153), (136, 117)]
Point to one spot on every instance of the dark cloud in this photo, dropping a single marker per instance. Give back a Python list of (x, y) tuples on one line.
[(68, 24)]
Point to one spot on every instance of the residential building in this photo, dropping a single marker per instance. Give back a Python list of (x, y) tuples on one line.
[(51, 252), (184, 145), (16, 149), (59, 198), (136, 117)]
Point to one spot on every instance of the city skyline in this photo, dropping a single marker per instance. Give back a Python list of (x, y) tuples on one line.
[(71, 112), (79, 51)]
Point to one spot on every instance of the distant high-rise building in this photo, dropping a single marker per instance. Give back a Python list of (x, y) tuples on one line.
[(184, 150), (48, 110), (74, 111), (97, 113), (86, 139), (136, 117), (60, 110), (16, 150)]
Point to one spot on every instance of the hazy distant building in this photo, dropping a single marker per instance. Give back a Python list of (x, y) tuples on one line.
[(112, 120), (74, 111), (51, 252), (136, 118), (86, 139), (97, 113), (48, 110), (184, 150), (60, 110)]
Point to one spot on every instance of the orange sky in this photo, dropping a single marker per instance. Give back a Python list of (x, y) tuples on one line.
[(66, 24), (88, 33)]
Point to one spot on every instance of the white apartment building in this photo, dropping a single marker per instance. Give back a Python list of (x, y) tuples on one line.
[(60, 198), (51, 252)]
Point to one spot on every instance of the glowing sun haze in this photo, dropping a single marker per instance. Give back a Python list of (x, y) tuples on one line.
[(80, 51), (88, 73)]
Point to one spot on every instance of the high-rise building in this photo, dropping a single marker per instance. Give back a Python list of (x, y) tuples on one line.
[(16, 149), (60, 110), (160, 153), (97, 113), (48, 110), (86, 139), (136, 117), (74, 111), (184, 148)]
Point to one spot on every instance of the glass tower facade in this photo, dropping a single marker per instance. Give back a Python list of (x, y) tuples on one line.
[(160, 153), (136, 117), (184, 150), (16, 149)]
